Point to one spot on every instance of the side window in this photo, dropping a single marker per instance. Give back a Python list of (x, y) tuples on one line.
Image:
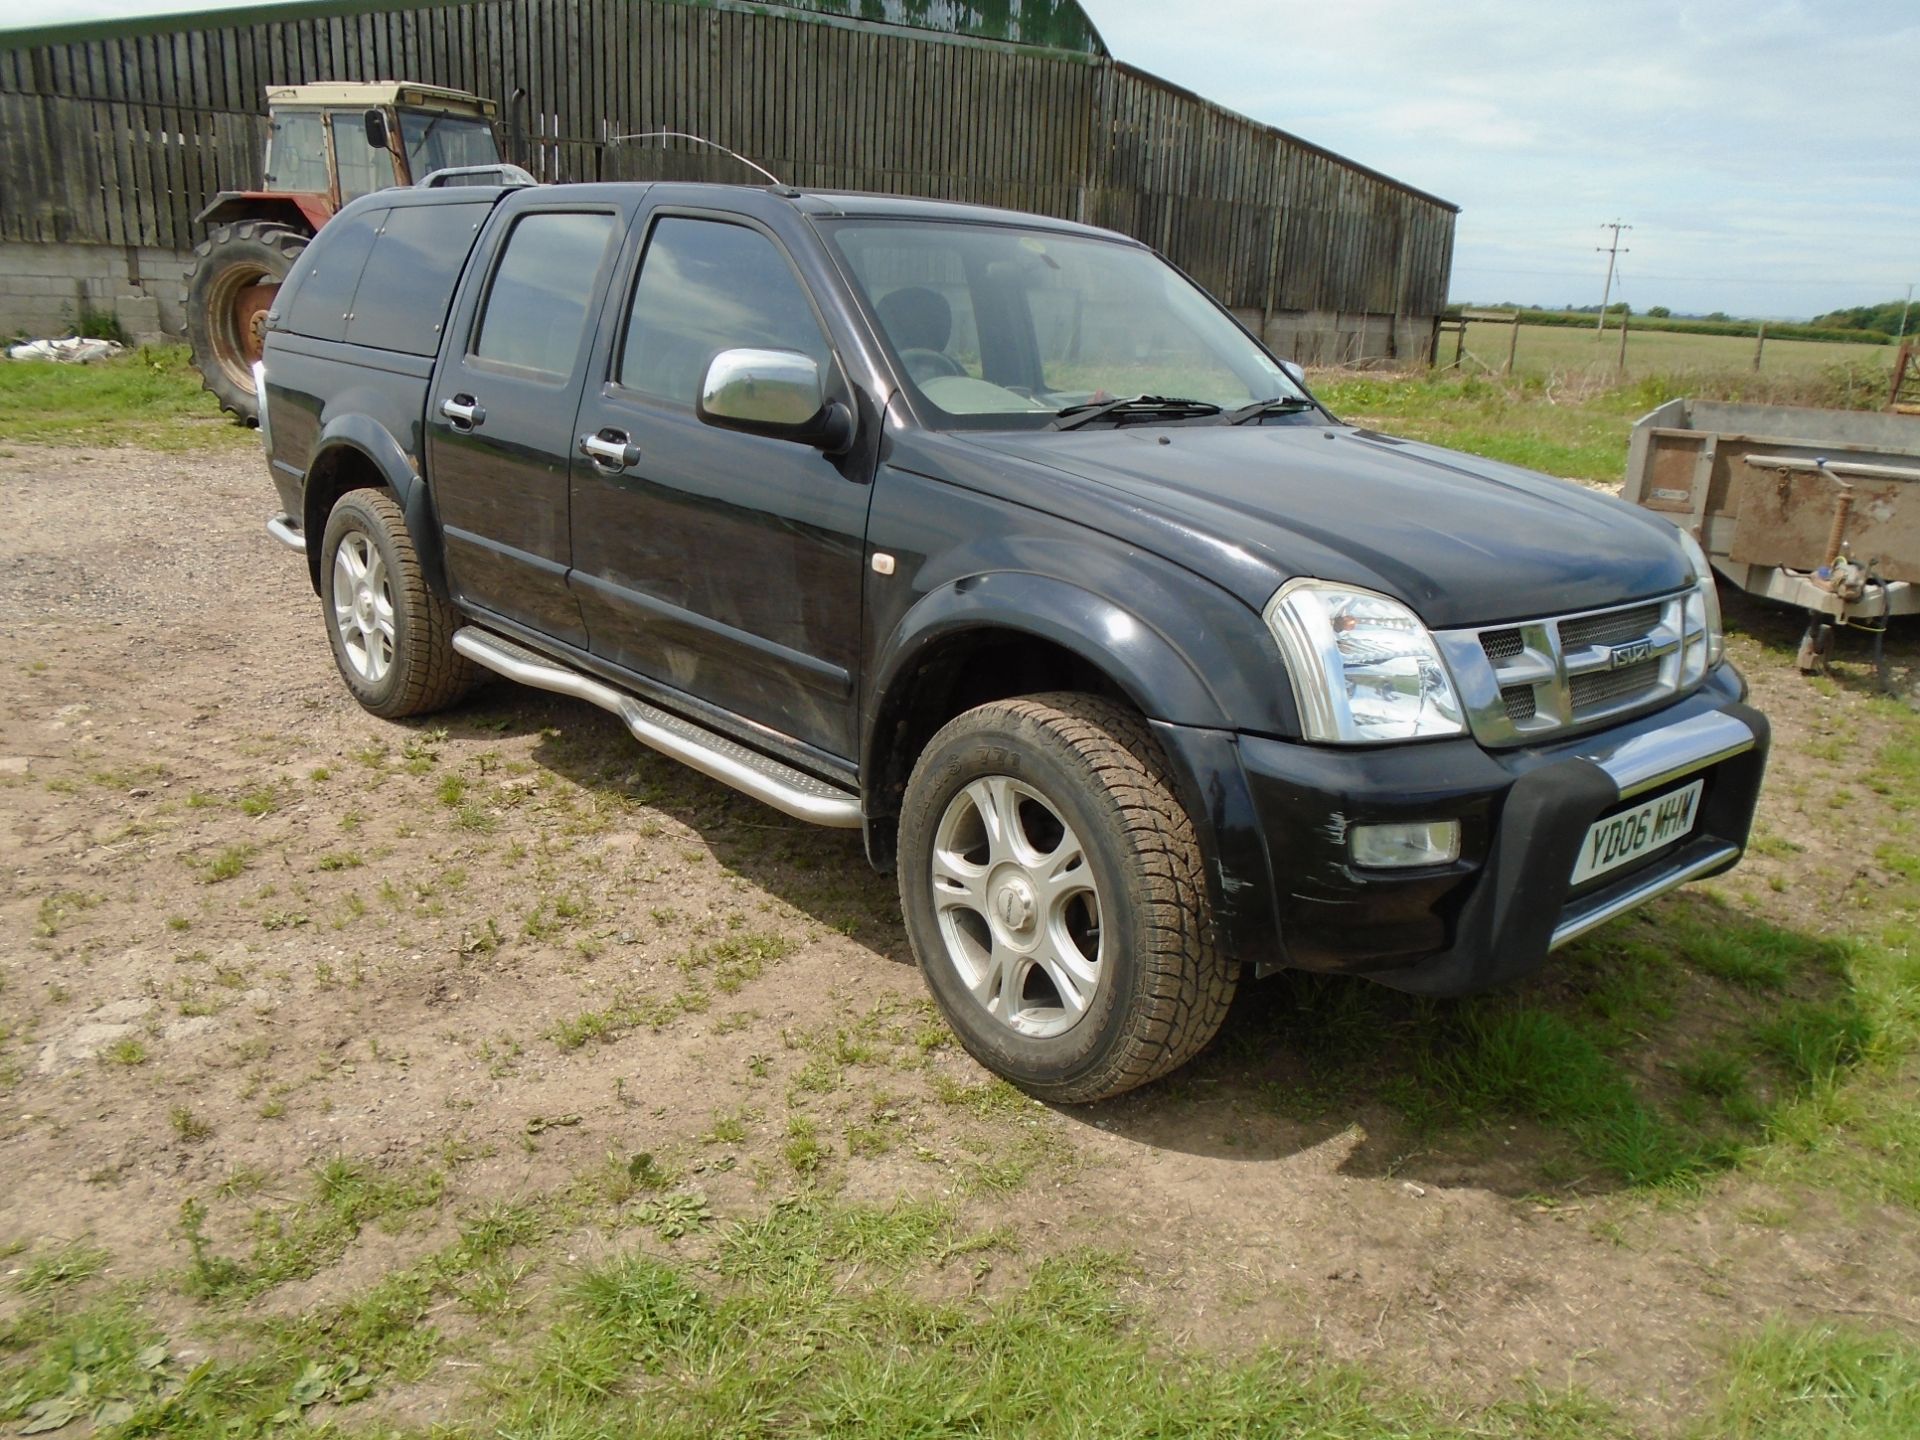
[(363, 169), (707, 286), (536, 308), (297, 152)]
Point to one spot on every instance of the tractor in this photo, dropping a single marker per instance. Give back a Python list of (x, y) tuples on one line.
[(326, 145)]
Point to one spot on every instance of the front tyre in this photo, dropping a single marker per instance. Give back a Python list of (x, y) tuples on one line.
[(1055, 896), (392, 636)]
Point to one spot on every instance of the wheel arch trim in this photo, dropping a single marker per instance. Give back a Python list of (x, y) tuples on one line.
[(1144, 664), (371, 443)]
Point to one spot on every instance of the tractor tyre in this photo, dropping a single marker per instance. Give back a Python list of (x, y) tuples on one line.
[(237, 272)]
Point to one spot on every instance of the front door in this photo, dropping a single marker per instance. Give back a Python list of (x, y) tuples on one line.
[(722, 564), (500, 435)]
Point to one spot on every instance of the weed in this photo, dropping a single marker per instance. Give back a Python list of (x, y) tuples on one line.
[(673, 1216), (187, 1125), (262, 800), (56, 909), (127, 1051), (804, 1150), (993, 1100), (229, 864)]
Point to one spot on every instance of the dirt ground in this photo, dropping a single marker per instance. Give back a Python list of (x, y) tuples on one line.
[(244, 926)]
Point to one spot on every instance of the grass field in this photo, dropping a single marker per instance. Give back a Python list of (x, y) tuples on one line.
[(151, 398), (1547, 349)]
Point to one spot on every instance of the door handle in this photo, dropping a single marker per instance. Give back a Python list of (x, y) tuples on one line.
[(464, 411), (610, 449)]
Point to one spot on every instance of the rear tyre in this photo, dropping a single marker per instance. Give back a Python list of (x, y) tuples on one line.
[(1055, 896), (237, 272), (392, 637)]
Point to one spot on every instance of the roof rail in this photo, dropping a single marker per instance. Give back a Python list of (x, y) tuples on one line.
[(501, 174)]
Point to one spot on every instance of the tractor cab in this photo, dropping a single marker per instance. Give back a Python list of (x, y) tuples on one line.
[(326, 145)]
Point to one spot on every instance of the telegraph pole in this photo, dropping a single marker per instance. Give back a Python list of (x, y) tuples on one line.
[(1903, 316), (1613, 252)]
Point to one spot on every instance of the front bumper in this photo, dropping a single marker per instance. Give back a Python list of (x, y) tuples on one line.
[(1495, 913)]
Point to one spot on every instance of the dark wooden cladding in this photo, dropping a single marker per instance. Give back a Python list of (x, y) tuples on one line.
[(123, 140)]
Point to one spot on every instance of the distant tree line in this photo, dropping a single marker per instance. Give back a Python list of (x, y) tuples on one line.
[(1884, 317)]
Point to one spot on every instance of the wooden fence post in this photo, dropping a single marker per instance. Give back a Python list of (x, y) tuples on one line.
[(1759, 346), (1513, 343)]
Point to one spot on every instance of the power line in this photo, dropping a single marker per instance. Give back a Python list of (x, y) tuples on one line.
[(1614, 252)]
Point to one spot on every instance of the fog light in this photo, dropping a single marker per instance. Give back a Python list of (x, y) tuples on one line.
[(1390, 847)]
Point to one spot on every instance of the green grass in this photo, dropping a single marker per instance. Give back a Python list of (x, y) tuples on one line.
[(298, 1241), (71, 1264), (1661, 1052), (1819, 1384), (150, 398), (1575, 426), (812, 1317), (1581, 440)]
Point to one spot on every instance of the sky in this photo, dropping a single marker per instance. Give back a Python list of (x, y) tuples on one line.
[(1763, 151)]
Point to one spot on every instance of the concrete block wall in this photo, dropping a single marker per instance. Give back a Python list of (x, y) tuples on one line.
[(44, 288)]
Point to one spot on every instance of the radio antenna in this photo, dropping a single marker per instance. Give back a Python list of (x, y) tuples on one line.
[(778, 183)]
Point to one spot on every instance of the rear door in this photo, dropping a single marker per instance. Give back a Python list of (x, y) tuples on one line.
[(500, 415), (725, 565)]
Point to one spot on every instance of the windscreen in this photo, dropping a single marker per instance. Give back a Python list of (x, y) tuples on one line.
[(997, 326), (445, 142)]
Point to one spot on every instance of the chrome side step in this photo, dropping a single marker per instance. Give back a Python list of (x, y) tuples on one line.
[(282, 528), (790, 791)]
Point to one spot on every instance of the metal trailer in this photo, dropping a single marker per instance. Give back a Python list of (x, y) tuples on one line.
[(1818, 509)]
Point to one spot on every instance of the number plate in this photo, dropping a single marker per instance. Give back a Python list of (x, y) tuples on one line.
[(1621, 839)]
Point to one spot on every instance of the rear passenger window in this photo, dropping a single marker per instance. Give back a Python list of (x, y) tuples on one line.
[(537, 305), (408, 281), (706, 286)]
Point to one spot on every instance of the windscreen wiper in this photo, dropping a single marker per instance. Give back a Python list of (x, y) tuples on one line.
[(1170, 406), (1280, 405)]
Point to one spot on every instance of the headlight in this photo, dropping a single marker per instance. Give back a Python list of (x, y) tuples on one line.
[(1703, 614), (1363, 667)]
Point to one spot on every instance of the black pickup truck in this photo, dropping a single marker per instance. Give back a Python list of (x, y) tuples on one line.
[(996, 537)]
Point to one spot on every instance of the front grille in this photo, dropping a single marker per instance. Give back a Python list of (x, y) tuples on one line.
[(1526, 681), (1519, 702), (1602, 687), (1501, 644), (1611, 627)]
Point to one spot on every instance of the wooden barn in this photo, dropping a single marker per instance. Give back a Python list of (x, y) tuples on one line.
[(114, 135)]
